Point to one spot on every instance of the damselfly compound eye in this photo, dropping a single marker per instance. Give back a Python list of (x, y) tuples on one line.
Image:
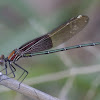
[(2, 60)]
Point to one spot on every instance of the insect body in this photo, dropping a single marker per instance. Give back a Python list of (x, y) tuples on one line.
[(40, 45)]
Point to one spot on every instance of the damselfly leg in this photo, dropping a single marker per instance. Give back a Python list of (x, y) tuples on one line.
[(13, 70), (11, 67), (24, 71)]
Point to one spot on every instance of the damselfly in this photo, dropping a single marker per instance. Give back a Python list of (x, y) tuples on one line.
[(40, 45)]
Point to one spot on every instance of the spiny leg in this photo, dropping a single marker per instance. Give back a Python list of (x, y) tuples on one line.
[(22, 74), (10, 65), (4, 68), (24, 78), (12, 71)]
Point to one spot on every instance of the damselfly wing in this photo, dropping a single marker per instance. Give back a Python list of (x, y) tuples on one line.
[(56, 37)]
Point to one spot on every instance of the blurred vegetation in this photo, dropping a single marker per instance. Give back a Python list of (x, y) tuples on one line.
[(21, 21)]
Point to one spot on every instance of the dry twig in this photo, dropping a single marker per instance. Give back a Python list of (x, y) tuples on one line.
[(25, 89)]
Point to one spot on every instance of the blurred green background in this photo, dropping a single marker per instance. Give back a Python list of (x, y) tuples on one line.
[(23, 20)]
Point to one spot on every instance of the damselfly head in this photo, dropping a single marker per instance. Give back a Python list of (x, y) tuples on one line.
[(2, 60)]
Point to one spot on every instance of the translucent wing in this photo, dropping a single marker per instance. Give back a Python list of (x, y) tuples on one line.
[(68, 30), (56, 37)]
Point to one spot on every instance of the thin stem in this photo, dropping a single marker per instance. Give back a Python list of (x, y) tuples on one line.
[(25, 89)]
